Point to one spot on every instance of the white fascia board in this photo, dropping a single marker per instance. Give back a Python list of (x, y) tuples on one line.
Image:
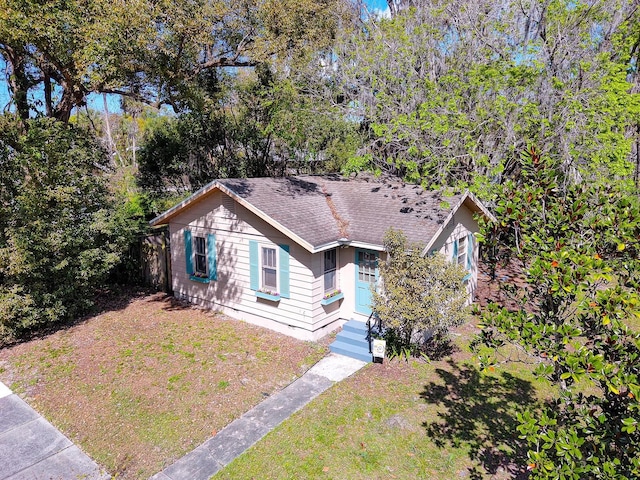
[(259, 213), (366, 246), (481, 206), (163, 217), (327, 246), (444, 224), (467, 196), (348, 243)]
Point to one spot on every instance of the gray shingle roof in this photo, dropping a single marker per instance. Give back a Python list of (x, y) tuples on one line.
[(324, 209)]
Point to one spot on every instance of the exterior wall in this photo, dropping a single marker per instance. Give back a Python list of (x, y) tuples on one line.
[(300, 316), (344, 309), (460, 225)]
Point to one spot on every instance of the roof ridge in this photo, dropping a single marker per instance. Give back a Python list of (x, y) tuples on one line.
[(342, 224)]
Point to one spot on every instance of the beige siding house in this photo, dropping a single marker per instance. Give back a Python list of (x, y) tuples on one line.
[(298, 254)]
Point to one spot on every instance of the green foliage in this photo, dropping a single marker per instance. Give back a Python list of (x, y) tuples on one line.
[(308, 135), (268, 127), (59, 236), (158, 52), (579, 250), (450, 93), (182, 154), (420, 295)]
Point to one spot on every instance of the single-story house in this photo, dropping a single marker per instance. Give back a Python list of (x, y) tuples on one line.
[(299, 254)]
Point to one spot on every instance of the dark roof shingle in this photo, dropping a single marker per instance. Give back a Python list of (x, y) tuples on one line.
[(323, 209)]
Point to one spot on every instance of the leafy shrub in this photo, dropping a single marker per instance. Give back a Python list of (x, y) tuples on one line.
[(421, 296), (58, 235), (578, 246)]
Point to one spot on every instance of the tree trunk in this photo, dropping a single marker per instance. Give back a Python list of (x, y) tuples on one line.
[(48, 101), (636, 176), (18, 81)]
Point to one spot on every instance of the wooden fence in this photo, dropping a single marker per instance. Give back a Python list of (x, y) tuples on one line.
[(155, 259)]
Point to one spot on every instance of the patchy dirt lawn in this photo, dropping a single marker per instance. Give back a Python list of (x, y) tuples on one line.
[(148, 379), (440, 420)]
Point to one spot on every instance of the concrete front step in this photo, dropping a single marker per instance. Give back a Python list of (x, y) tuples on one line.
[(352, 351), (359, 339), (355, 327)]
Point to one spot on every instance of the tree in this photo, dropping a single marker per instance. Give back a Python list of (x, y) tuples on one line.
[(260, 123), (579, 248), (153, 51), (421, 297), (59, 233), (451, 92)]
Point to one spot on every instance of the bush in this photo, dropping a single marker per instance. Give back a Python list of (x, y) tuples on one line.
[(58, 236), (421, 297), (579, 249)]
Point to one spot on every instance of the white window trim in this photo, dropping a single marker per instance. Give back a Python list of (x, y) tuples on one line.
[(335, 269), (261, 265), (203, 254), (462, 252)]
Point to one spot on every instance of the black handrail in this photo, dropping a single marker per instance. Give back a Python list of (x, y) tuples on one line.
[(369, 332)]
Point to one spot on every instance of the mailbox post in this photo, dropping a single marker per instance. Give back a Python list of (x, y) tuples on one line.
[(378, 350)]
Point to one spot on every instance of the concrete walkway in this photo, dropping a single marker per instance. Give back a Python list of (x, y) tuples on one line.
[(33, 449), (239, 435)]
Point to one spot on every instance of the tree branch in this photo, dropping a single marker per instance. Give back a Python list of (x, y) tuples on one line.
[(225, 62)]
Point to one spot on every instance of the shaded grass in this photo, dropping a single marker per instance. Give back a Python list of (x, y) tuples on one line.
[(440, 420), (140, 386)]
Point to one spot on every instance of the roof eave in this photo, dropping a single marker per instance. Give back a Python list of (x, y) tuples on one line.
[(175, 210), (480, 206), (466, 196)]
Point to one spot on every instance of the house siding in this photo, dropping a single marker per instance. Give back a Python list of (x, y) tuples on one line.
[(300, 315), (462, 224), (335, 313)]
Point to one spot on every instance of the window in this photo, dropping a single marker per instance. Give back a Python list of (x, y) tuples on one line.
[(200, 256), (269, 269), (367, 263), (330, 270), (462, 252)]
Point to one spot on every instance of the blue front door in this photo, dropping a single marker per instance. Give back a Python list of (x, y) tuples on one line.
[(366, 276)]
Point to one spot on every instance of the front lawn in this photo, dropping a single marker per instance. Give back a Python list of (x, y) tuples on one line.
[(149, 379), (439, 420)]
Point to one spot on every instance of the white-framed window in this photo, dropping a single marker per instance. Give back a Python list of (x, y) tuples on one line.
[(330, 265), (269, 260), (462, 252), (200, 254), (367, 266)]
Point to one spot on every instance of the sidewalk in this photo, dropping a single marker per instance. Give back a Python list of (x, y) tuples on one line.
[(239, 435), (33, 449)]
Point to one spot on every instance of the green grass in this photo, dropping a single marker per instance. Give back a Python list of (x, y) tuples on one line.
[(140, 386), (440, 420)]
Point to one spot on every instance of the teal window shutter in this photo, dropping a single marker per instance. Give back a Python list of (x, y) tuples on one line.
[(254, 266), (212, 257), (284, 271), (469, 251), (454, 258), (188, 254)]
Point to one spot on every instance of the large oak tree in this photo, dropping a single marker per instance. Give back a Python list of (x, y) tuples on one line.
[(153, 51)]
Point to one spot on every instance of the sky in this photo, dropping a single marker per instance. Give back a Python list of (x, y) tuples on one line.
[(95, 102), (380, 5)]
